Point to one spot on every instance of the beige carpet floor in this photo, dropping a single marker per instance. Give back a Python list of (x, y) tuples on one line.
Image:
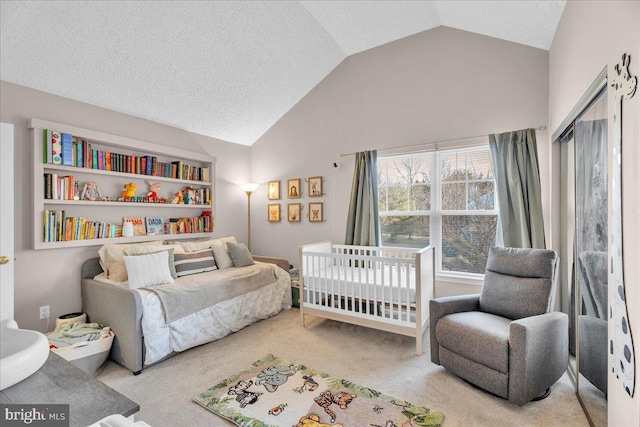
[(380, 360)]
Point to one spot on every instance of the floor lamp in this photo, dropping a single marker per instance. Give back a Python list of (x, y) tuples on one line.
[(249, 188)]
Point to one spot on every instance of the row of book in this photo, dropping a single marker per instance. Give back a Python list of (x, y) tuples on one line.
[(61, 148), (67, 188), (60, 228), (57, 227), (60, 188)]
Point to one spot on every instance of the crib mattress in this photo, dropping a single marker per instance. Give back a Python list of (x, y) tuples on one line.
[(381, 284)]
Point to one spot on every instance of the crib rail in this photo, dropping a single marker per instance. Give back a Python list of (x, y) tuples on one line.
[(383, 287)]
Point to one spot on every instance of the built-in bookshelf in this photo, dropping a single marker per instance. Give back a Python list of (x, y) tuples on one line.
[(173, 185)]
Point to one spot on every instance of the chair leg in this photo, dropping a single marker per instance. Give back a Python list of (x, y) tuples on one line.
[(544, 395)]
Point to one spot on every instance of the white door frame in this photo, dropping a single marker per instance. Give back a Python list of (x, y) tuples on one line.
[(7, 222)]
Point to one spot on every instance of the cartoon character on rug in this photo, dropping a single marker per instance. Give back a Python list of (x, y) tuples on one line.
[(243, 396), (341, 399), (313, 421), (417, 415), (309, 383), (274, 376)]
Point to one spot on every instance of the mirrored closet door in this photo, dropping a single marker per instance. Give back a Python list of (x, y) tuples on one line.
[(584, 242)]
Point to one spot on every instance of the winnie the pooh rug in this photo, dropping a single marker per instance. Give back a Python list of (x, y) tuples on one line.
[(273, 392)]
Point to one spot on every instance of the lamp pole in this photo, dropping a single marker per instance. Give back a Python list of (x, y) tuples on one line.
[(249, 188), (249, 218)]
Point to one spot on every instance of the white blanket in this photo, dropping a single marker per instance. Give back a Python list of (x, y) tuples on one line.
[(211, 323)]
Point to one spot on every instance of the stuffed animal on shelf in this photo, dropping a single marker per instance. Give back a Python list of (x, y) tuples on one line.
[(176, 198), (129, 191), (154, 187), (188, 195), (90, 191)]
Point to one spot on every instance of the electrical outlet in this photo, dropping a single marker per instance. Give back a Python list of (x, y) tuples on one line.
[(44, 312)]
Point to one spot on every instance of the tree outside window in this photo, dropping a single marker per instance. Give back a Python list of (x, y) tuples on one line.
[(445, 199)]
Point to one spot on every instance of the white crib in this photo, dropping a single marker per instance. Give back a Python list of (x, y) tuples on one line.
[(384, 288)]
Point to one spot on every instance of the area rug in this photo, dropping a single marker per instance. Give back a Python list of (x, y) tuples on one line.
[(273, 392)]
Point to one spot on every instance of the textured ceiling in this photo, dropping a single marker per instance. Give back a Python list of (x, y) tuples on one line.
[(228, 70)]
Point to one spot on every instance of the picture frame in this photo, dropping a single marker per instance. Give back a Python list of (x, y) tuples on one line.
[(273, 190), (293, 212), (273, 212), (316, 212), (293, 188), (315, 186)]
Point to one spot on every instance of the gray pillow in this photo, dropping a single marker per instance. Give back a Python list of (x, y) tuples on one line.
[(194, 262), (240, 254)]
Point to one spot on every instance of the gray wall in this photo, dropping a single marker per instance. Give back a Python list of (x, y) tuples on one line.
[(439, 84), (52, 276), (591, 36)]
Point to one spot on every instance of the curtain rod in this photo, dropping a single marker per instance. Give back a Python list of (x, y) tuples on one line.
[(431, 143)]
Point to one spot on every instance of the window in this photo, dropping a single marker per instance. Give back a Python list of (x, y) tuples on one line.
[(443, 198)]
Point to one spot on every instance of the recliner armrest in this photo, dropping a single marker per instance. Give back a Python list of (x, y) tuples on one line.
[(441, 307), (538, 354)]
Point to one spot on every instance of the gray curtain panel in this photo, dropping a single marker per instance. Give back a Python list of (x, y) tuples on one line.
[(515, 160), (363, 223)]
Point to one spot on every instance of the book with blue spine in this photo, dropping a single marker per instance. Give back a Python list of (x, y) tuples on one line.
[(67, 149)]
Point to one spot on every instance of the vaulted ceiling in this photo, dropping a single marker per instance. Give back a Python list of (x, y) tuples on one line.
[(228, 70)]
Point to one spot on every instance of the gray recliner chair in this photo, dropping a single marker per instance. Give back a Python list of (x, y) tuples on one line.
[(507, 340)]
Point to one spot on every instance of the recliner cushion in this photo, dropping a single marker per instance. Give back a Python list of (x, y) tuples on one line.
[(480, 337), (518, 282)]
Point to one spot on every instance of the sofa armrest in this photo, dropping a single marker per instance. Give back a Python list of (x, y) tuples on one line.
[(121, 309), (538, 354), (441, 307), (280, 262)]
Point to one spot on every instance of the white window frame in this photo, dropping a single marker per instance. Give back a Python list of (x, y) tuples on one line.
[(436, 213)]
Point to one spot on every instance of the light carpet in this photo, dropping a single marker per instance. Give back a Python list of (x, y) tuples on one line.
[(381, 360), (274, 392)]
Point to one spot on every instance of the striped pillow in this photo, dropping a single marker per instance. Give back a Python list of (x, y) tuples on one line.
[(194, 262)]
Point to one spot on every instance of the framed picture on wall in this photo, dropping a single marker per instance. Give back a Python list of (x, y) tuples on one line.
[(293, 212), (273, 212), (315, 212), (273, 190), (315, 186), (293, 188)]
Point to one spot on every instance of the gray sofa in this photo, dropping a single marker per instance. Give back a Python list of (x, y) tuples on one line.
[(507, 340), (121, 309)]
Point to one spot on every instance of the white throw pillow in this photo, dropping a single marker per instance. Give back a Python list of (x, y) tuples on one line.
[(195, 245), (221, 254), (111, 258), (148, 270), (168, 248)]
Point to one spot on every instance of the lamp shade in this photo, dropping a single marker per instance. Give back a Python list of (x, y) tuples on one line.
[(249, 187)]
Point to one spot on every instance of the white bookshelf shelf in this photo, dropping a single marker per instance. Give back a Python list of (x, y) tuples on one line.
[(111, 183)]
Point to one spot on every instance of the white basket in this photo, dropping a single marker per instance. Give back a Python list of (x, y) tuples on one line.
[(90, 356)]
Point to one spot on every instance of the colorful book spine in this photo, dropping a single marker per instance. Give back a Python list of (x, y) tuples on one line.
[(79, 157), (47, 149), (56, 148), (67, 149)]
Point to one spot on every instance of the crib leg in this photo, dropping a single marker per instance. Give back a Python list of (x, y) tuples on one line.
[(302, 318), (419, 344)]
